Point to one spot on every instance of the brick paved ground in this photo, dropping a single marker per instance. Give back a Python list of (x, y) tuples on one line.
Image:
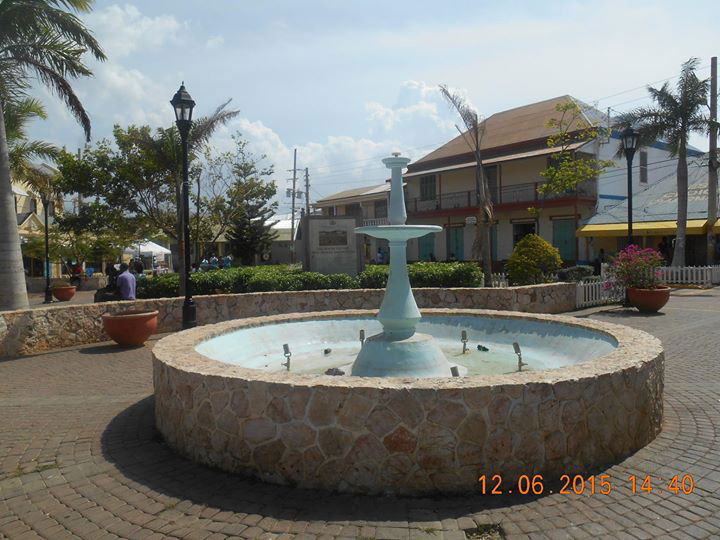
[(79, 458)]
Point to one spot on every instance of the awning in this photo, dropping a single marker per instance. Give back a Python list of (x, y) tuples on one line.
[(643, 228), (509, 157)]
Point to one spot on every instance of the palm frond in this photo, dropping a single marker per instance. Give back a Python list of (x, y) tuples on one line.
[(62, 88), (204, 127)]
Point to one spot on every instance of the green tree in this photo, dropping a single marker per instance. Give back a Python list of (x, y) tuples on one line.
[(250, 232), (40, 40), (566, 169), (672, 118), (127, 179), (229, 180), (168, 148)]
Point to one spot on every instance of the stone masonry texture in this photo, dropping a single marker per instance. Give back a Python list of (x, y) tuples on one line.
[(403, 435)]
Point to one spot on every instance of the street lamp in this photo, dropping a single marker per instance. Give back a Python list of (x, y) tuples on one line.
[(45, 197), (183, 106), (630, 139)]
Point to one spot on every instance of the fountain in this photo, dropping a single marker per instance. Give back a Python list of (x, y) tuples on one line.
[(399, 401), (398, 350)]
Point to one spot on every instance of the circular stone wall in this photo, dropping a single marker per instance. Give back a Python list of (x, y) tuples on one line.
[(405, 435)]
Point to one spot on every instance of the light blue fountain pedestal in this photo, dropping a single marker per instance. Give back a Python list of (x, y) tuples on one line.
[(398, 350)]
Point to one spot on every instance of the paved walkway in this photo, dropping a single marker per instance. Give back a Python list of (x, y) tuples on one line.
[(79, 458), (37, 300)]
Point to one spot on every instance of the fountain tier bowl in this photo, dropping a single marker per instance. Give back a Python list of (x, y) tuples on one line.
[(408, 435)]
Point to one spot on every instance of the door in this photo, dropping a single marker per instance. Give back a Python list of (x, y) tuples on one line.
[(455, 245), (564, 238), (426, 247)]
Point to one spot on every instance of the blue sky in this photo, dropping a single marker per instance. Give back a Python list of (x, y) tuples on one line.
[(348, 81)]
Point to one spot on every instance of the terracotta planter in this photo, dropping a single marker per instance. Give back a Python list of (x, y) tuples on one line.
[(63, 292), (649, 300), (130, 328)]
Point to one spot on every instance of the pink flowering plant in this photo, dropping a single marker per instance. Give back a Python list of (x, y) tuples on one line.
[(636, 268)]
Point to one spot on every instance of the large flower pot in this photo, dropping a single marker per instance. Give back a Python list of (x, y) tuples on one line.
[(649, 300), (130, 328), (63, 292)]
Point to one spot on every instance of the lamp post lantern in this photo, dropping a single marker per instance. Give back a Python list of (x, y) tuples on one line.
[(183, 106), (46, 203), (630, 139)]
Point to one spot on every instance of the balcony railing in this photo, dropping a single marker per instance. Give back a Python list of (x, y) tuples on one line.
[(374, 222), (515, 193)]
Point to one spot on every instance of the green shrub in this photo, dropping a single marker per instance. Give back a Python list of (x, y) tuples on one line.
[(426, 274), (292, 278), (374, 276), (532, 261), (575, 273)]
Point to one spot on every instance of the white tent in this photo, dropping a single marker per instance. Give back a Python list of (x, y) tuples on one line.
[(147, 248)]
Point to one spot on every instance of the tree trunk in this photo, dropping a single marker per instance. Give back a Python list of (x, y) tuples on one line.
[(179, 229), (484, 218), (682, 193), (13, 292)]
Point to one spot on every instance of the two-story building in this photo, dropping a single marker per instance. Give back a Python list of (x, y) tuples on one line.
[(440, 187), (370, 204)]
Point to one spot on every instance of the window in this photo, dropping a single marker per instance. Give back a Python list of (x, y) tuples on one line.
[(353, 209), (521, 230), (332, 211), (381, 209), (643, 168), (427, 188), (33, 205)]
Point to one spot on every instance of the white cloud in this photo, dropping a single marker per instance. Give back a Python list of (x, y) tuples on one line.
[(214, 43), (123, 30)]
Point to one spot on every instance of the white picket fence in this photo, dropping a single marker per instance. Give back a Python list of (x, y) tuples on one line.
[(499, 280), (594, 291), (706, 276)]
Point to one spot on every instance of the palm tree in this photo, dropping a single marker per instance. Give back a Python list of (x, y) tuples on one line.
[(45, 40), (672, 118), (170, 154), (473, 134)]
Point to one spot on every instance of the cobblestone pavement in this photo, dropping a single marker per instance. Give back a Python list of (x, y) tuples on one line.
[(79, 458)]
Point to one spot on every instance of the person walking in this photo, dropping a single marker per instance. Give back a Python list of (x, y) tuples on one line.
[(126, 283)]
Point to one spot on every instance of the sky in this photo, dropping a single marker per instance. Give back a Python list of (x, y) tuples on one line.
[(348, 82)]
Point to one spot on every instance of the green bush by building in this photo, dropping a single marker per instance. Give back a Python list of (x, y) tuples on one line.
[(533, 260)]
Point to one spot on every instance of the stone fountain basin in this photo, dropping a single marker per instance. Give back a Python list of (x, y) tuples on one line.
[(405, 435), (321, 344)]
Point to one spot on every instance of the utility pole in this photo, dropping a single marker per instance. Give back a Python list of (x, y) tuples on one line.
[(292, 209), (307, 192), (712, 165)]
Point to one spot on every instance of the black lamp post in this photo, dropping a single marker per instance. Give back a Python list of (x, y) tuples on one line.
[(630, 139), (46, 204), (183, 105)]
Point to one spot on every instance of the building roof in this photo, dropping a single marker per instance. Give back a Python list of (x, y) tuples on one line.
[(283, 228), (507, 132), (22, 217), (371, 192), (658, 202)]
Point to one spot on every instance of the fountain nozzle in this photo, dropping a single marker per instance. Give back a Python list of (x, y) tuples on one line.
[(516, 348), (464, 339), (286, 352)]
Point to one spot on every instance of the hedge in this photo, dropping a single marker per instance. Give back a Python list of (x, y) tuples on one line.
[(292, 278)]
